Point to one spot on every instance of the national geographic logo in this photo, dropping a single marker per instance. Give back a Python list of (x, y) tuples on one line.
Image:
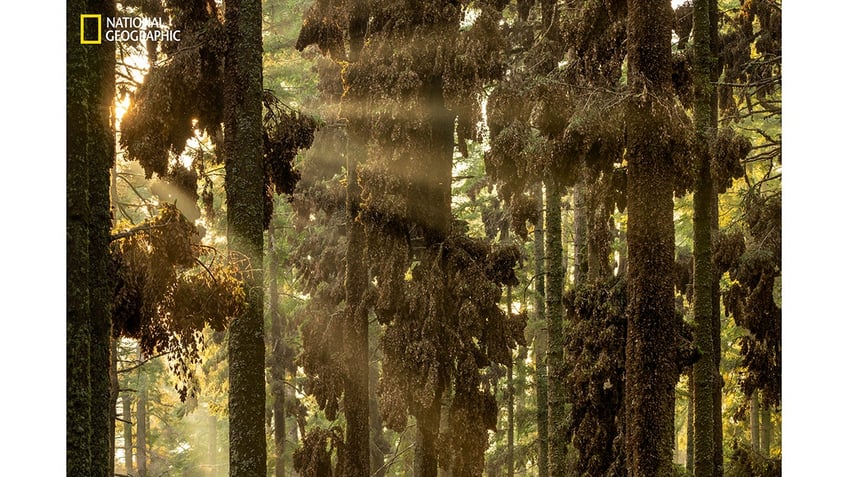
[(94, 30)]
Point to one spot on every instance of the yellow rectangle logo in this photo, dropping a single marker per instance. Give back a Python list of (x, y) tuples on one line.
[(85, 17)]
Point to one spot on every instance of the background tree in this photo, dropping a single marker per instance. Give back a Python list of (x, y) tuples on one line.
[(90, 154), (656, 147)]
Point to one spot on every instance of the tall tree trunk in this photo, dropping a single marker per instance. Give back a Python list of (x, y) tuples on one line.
[(718, 382), (356, 455), (510, 384), (379, 446), (755, 421), (78, 327), (581, 248), (126, 415), (510, 410), (597, 228), (540, 345), (212, 444), (245, 199), (431, 210), (427, 430), (141, 422), (690, 425), (557, 445), (652, 358), (278, 370), (718, 431), (114, 389), (766, 430), (703, 370)]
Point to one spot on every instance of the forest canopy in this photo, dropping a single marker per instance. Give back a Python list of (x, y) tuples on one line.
[(467, 238)]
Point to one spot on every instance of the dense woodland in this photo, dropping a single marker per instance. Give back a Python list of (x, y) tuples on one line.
[(426, 238)]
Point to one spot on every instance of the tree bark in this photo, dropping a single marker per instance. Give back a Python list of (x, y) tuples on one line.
[(245, 198), (356, 452), (755, 422), (90, 153), (704, 369), (581, 248), (510, 410), (690, 425), (81, 79), (540, 345), (557, 445), (126, 414), (278, 370), (766, 430), (427, 430), (651, 365), (212, 444), (379, 446), (141, 422)]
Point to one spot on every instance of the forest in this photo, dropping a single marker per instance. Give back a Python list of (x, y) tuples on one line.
[(429, 238)]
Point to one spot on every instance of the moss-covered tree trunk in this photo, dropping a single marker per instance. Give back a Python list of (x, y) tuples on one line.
[(718, 432), (581, 249), (598, 214), (755, 421), (90, 154), (540, 341), (704, 369), (690, 424), (431, 208), (277, 349), (557, 444), (766, 430), (356, 454), (81, 79), (651, 357), (101, 157), (245, 199), (356, 451), (380, 447)]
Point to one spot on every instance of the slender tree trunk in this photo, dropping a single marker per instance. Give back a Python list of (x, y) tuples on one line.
[(126, 414), (651, 365), (755, 422), (540, 345), (356, 455), (356, 451), (379, 446), (581, 248), (718, 432), (113, 394), (510, 410), (557, 445), (766, 430), (597, 228), (703, 370), (690, 425), (212, 444), (141, 423), (278, 370), (245, 198)]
